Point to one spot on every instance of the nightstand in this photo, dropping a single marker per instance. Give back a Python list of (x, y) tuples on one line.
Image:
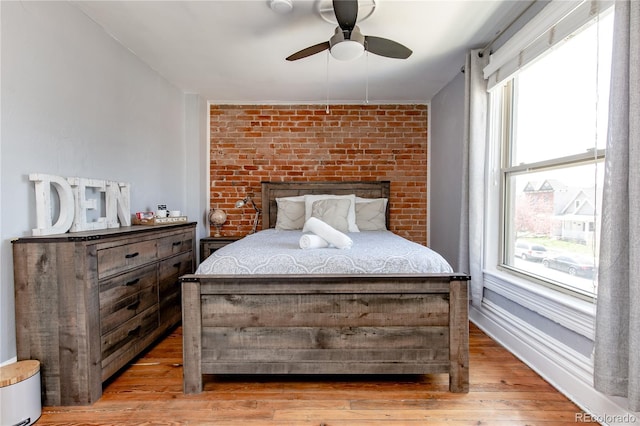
[(210, 244)]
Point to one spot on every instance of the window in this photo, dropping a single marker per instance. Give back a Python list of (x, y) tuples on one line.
[(553, 126)]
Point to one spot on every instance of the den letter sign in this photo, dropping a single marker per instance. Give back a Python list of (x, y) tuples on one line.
[(73, 204)]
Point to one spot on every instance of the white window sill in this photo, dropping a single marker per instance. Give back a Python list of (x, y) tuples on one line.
[(569, 311)]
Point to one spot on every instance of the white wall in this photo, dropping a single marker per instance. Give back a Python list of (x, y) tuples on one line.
[(196, 118), (76, 103), (445, 157)]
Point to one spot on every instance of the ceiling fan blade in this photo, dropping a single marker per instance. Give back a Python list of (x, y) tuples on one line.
[(311, 50), (385, 47), (346, 13)]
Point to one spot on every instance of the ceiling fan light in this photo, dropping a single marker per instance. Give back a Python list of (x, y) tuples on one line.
[(347, 50), (281, 6)]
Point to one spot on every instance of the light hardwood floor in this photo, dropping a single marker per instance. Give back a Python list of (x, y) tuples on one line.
[(503, 391)]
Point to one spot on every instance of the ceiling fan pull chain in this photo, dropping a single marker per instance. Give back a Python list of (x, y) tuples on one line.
[(366, 72), (327, 83)]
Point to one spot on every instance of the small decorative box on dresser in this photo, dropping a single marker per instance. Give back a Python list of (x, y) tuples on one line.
[(89, 302), (210, 244)]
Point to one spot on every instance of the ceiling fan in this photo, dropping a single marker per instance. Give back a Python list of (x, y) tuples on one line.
[(348, 42)]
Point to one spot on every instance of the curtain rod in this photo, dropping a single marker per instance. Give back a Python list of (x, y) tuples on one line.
[(488, 46)]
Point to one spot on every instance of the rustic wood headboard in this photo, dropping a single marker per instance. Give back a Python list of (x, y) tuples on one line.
[(273, 190)]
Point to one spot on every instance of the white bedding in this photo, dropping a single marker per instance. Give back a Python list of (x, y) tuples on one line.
[(274, 251)]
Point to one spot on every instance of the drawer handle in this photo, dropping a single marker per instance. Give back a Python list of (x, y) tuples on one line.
[(177, 243), (177, 265), (133, 306), (133, 282), (131, 255), (135, 331)]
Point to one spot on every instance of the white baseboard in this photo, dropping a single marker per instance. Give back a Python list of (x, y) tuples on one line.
[(567, 370)]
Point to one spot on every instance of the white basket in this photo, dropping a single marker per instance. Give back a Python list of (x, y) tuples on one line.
[(20, 399)]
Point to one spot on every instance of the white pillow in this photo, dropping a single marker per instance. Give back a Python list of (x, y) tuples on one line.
[(290, 214), (351, 217), (333, 212), (371, 214), (294, 198)]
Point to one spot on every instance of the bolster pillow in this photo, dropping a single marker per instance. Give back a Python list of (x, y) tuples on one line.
[(328, 233), (311, 241)]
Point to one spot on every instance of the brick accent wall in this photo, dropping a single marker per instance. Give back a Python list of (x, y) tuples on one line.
[(254, 143)]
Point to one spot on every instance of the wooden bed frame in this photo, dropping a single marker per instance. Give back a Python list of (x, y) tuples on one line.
[(325, 324)]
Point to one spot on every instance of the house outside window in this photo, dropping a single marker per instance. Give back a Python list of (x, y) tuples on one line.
[(552, 130)]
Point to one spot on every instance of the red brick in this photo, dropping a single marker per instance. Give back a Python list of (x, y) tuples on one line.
[(253, 143)]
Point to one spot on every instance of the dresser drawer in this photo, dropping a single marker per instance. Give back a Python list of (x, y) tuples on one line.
[(175, 266), (174, 244), (121, 258), (115, 314), (170, 270), (128, 335), (169, 288), (171, 308), (114, 289)]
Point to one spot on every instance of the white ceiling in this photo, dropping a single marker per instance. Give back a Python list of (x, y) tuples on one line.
[(233, 51)]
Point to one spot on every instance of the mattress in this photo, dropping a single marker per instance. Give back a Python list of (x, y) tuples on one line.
[(273, 251)]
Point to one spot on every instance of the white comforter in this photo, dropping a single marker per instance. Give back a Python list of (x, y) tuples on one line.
[(278, 252)]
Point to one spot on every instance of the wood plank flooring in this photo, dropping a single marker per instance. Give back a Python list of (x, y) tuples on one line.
[(503, 391)]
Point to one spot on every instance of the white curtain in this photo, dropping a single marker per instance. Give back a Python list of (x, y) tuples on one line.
[(617, 340), (474, 149)]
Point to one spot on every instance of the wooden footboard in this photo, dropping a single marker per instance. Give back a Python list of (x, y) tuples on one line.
[(328, 324)]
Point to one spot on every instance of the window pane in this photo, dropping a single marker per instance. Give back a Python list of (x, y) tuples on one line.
[(554, 225), (561, 100)]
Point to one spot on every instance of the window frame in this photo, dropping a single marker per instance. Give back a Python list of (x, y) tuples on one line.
[(505, 100), (566, 308), (553, 23)]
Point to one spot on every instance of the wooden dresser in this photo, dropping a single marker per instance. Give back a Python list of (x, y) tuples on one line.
[(89, 302)]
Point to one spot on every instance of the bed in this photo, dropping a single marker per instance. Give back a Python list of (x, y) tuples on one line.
[(313, 317)]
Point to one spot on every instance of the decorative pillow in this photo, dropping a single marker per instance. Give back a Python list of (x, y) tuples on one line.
[(328, 233), (371, 214), (294, 198), (290, 213), (333, 212), (309, 199)]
